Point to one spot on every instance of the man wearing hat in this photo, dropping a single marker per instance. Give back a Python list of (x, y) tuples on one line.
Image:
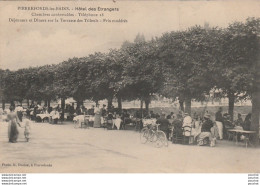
[(206, 131)]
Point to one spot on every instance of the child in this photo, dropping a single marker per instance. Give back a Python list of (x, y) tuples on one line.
[(27, 128)]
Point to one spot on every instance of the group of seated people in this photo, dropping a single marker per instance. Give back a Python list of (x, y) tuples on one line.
[(184, 125), (40, 113), (204, 130), (201, 127)]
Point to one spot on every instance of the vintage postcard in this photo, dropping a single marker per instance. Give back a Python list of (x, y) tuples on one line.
[(129, 86)]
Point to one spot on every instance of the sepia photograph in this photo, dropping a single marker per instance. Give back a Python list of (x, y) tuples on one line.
[(129, 86)]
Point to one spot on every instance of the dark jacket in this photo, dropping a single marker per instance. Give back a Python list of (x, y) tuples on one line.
[(177, 124), (164, 123), (218, 116), (206, 125)]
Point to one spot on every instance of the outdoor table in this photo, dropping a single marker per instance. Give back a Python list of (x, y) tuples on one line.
[(244, 132), (42, 116), (117, 122), (81, 119), (149, 121)]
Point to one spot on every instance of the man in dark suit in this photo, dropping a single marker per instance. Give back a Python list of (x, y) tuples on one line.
[(164, 125)]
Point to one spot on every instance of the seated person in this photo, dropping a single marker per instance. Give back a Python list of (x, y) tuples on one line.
[(91, 110), (239, 121), (170, 116), (247, 123), (197, 127), (152, 115), (80, 110), (117, 121), (187, 121), (206, 131), (110, 118), (55, 115), (125, 117), (227, 121)]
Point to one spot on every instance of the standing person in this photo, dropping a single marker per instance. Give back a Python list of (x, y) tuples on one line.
[(219, 122), (164, 125), (12, 127), (97, 121), (27, 128)]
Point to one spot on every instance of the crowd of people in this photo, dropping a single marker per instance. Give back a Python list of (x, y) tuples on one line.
[(202, 129), (199, 127)]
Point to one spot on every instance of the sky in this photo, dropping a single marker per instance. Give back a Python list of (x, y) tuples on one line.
[(35, 44)]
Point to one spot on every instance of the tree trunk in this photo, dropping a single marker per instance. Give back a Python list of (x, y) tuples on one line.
[(231, 102), (109, 103), (119, 102), (181, 105), (45, 102), (12, 103), (147, 102), (28, 103), (62, 108), (3, 104), (49, 104), (79, 103), (142, 104), (188, 105)]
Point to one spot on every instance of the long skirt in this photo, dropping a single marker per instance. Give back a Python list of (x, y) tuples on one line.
[(13, 132), (97, 121)]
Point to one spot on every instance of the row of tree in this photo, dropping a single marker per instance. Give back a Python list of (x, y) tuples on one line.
[(179, 64)]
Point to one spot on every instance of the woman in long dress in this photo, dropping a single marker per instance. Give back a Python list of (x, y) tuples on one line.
[(13, 126), (97, 121)]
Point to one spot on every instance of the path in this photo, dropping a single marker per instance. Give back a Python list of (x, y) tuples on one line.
[(98, 150)]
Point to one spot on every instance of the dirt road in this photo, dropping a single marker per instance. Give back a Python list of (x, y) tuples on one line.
[(62, 148)]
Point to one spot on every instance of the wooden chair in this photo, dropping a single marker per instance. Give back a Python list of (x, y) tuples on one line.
[(177, 137)]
